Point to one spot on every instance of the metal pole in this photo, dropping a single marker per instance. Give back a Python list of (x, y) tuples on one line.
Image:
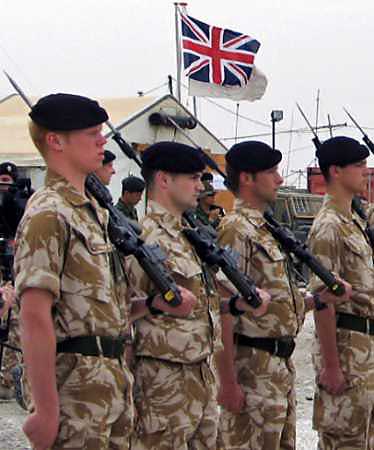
[(236, 122), (194, 103), (178, 49), (273, 131), (330, 126), (317, 111)]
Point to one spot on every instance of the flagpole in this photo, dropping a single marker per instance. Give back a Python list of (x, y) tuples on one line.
[(178, 48)]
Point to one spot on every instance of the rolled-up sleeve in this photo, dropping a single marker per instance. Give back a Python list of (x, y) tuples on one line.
[(39, 253)]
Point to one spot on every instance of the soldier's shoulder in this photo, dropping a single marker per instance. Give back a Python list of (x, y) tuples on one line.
[(44, 206), (151, 231), (327, 223), (233, 222)]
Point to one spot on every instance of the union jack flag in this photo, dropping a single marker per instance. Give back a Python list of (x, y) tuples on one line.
[(216, 55)]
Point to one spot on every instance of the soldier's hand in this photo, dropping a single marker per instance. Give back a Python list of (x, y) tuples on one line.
[(326, 296), (41, 430), (182, 310), (332, 380), (262, 309), (231, 396)]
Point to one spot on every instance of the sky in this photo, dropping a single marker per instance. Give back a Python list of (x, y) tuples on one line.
[(116, 48)]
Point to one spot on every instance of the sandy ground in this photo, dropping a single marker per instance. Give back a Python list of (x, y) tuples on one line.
[(12, 417)]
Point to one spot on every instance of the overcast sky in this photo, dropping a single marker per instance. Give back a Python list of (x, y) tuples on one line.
[(115, 48)]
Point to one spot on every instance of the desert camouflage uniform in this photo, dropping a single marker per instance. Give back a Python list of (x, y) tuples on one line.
[(268, 419), (11, 358), (62, 246), (347, 420), (175, 386)]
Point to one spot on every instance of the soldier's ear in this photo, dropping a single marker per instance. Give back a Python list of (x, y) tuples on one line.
[(54, 141), (245, 178)]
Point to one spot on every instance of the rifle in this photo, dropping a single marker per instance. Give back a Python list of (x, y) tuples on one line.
[(204, 239), (293, 246), (356, 202), (122, 233), (359, 208), (211, 253), (125, 237)]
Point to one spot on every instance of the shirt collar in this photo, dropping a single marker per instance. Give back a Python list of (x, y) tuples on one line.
[(255, 216), (63, 186), (164, 218)]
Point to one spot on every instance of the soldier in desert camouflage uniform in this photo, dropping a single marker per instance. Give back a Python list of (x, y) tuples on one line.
[(71, 288), (72, 291), (344, 349), (175, 384), (256, 371)]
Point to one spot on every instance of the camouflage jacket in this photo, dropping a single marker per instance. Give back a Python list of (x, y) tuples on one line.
[(62, 246), (261, 258), (338, 239), (184, 340), (128, 210)]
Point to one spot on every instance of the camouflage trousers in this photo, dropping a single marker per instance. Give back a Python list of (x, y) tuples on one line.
[(11, 358), (346, 421), (96, 408), (268, 420), (176, 405)]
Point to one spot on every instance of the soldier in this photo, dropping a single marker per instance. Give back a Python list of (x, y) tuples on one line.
[(10, 215), (344, 347), (207, 212), (175, 384), (132, 191), (256, 370), (106, 171), (72, 288)]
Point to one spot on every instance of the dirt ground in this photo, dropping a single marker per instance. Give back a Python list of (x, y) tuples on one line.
[(12, 417)]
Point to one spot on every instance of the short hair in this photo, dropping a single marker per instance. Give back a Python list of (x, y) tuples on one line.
[(325, 170), (232, 178), (38, 134), (132, 184)]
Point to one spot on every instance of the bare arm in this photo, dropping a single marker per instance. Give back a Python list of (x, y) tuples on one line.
[(331, 376), (39, 350), (230, 395)]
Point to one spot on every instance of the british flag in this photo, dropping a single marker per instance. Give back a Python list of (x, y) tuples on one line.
[(216, 55)]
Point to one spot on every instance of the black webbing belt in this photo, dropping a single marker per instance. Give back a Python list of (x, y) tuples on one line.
[(282, 347), (108, 347), (355, 323)]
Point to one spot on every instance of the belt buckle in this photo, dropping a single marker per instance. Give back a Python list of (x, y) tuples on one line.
[(276, 347), (99, 345), (367, 325)]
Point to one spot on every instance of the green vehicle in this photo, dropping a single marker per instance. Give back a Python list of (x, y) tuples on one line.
[(296, 210)]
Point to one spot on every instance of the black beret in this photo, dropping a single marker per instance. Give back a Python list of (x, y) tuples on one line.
[(173, 157), (133, 184), (108, 157), (252, 156), (8, 168), (341, 151), (67, 112)]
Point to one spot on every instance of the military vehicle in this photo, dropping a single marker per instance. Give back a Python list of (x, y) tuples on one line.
[(296, 209)]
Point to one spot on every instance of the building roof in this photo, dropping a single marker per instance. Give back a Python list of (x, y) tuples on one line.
[(15, 142)]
